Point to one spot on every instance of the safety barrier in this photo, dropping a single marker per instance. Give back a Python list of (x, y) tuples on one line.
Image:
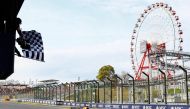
[(110, 106)]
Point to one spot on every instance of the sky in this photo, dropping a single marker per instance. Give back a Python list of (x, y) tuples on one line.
[(81, 36)]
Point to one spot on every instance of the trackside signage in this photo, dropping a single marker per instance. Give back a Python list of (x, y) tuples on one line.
[(120, 106), (142, 106)]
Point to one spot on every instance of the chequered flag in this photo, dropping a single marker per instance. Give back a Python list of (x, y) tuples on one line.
[(36, 50)]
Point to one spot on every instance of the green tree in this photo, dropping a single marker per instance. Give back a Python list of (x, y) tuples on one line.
[(106, 71)]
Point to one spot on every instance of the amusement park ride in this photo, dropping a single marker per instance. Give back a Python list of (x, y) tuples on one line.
[(156, 42)]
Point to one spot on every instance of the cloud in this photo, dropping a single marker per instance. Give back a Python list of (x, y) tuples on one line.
[(79, 61), (106, 48)]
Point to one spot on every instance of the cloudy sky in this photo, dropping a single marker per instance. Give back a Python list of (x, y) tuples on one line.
[(80, 36)]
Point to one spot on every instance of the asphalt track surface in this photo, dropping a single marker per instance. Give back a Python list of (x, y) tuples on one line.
[(12, 105)]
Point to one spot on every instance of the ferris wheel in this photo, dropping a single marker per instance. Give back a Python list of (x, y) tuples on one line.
[(156, 32)]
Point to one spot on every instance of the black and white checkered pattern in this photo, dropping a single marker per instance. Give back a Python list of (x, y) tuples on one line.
[(36, 50)]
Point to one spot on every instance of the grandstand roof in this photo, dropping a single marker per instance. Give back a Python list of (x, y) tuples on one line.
[(49, 80)]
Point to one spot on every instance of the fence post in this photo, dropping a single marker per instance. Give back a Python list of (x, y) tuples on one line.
[(74, 92), (133, 87), (46, 92), (104, 91), (165, 89), (186, 82), (55, 93), (98, 98), (148, 86), (64, 92), (121, 87), (49, 92), (60, 92), (110, 90)]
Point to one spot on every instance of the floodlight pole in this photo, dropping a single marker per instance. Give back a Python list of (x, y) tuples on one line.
[(148, 86), (165, 90), (133, 87)]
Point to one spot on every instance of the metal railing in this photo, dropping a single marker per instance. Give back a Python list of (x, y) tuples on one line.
[(94, 91)]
